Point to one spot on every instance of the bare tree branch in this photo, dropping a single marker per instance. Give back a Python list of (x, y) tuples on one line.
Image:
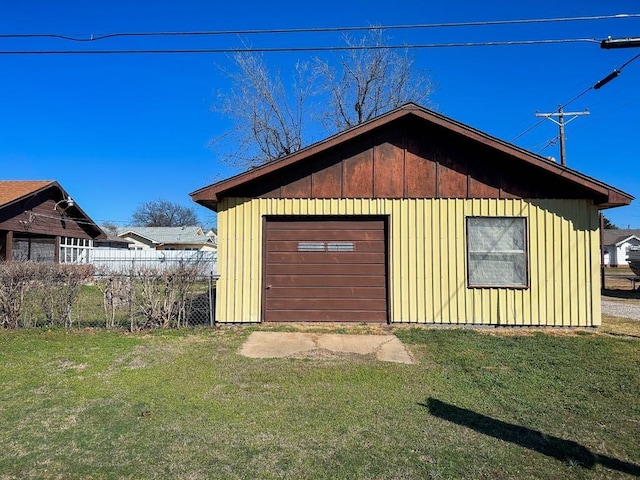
[(370, 82), (271, 121), (267, 118), (162, 213)]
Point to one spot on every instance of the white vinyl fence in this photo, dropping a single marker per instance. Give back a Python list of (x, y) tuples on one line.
[(120, 260)]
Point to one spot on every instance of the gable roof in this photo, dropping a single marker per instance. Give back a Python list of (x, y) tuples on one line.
[(606, 195), (14, 191), (616, 237), (164, 235)]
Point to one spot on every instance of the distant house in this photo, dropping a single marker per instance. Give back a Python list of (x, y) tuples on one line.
[(112, 241), (213, 233), (617, 244), (411, 217), (167, 238), (39, 221)]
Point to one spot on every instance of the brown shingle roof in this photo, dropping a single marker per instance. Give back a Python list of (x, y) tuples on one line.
[(12, 190)]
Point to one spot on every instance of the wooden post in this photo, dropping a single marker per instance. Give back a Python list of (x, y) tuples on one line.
[(211, 312), (56, 250), (602, 251), (8, 246)]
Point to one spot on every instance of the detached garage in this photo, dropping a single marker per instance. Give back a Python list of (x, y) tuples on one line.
[(410, 218)]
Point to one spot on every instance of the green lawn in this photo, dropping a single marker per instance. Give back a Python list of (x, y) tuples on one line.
[(184, 404)]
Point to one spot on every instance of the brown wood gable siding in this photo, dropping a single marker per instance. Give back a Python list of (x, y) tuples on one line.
[(411, 159), (36, 216)]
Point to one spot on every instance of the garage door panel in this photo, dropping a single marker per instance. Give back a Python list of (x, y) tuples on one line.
[(344, 258), (355, 224), (328, 316), (325, 269), (368, 305), (328, 293), (318, 269), (296, 280), (313, 235)]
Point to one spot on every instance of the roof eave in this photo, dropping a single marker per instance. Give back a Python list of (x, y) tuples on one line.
[(133, 232), (620, 242)]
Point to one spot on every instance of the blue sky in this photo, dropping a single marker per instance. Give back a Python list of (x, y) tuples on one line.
[(119, 130)]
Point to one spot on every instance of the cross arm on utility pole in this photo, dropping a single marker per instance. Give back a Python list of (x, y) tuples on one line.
[(561, 123)]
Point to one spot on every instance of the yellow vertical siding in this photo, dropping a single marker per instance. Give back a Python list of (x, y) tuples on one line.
[(427, 259), (594, 277)]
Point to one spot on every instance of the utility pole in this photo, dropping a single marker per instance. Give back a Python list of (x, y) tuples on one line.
[(561, 123)]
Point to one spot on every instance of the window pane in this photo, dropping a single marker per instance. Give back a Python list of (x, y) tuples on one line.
[(311, 246), (341, 247), (497, 252)]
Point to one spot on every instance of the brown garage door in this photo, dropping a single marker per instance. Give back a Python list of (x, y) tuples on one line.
[(325, 270)]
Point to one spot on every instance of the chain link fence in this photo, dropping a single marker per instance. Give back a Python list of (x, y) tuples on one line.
[(35, 295)]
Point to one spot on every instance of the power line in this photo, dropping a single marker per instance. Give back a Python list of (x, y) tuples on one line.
[(61, 218), (297, 49), (627, 63), (595, 86), (540, 122), (93, 38)]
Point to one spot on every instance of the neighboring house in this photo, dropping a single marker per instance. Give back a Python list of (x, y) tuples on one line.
[(410, 217), (617, 244), (112, 241), (39, 221), (167, 238), (213, 233)]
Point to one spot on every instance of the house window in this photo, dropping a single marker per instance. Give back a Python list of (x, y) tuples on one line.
[(497, 252), (75, 250), (35, 249)]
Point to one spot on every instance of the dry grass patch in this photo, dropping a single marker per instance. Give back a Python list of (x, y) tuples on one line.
[(620, 326)]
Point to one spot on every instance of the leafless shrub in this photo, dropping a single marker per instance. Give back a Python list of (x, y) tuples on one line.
[(163, 296), (118, 294), (14, 279), (44, 289), (57, 287), (40, 294)]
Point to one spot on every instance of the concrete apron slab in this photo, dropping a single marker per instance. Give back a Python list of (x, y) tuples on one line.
[(387, 348)]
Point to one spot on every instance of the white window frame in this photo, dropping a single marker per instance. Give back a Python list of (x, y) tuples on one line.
[(75, 250), (519, 255)]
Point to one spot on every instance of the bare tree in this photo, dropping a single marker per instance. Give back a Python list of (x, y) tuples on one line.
[(268, 119), (109, 228), (370, 79), (271, 120), (162, 213)]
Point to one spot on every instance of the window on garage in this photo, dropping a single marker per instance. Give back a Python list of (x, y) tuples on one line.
[(497, 252)]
